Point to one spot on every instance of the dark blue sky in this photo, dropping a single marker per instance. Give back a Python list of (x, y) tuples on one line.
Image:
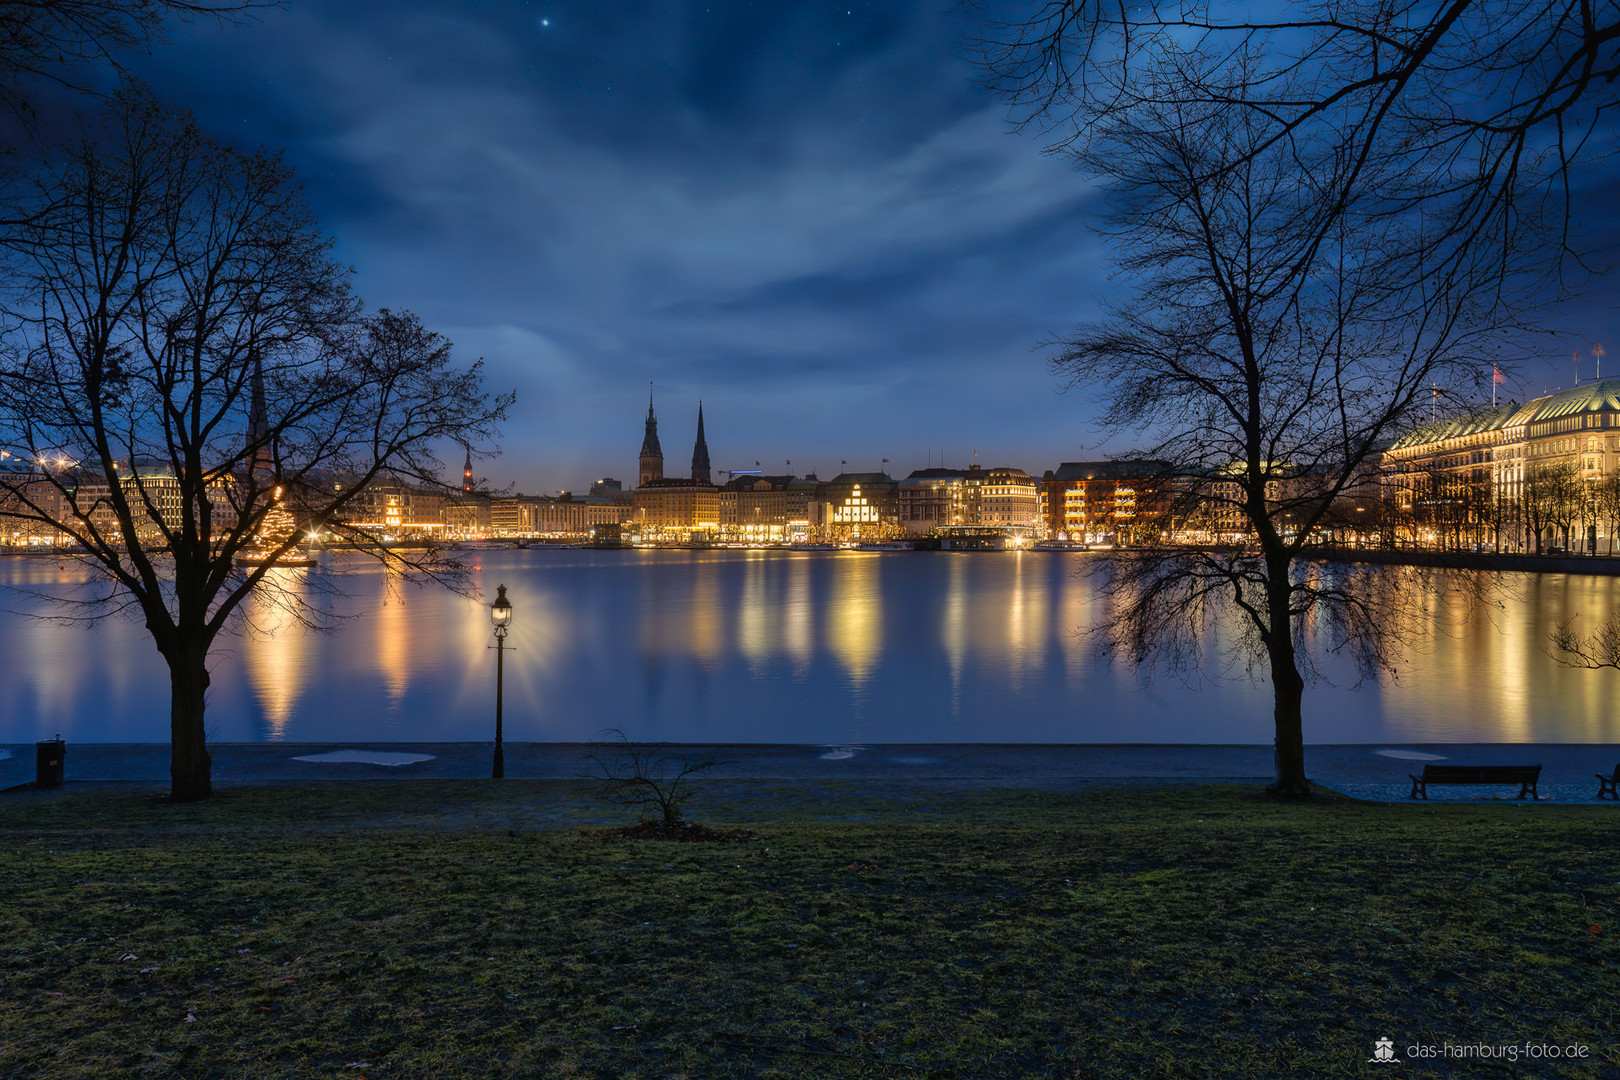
[(804, 214)]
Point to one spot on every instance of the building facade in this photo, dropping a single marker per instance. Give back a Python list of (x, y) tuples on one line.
[(932, 499), (1545, 474), (758, 509), (676, 511), (856, 507), (1106, 501), (1009, 500)]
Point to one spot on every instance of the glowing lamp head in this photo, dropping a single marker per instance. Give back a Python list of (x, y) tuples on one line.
[(500, 612)]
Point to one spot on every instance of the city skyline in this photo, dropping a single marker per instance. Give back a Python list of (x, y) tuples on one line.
[(812, 219)]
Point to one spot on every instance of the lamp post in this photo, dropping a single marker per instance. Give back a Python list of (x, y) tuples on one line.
[(500, 613)]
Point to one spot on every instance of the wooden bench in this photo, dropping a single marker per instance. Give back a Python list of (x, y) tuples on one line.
[(1606, 785), (1523, 775)]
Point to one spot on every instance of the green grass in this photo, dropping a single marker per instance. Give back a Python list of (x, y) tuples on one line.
[(400, 930)]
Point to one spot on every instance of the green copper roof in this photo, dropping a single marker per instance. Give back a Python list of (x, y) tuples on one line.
[(1593, 397), (1456, 426)]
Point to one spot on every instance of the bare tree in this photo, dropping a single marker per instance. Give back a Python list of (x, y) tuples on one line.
[(62, 42), (1476, 111), (194, 377), (1606, 505), (1551, 498), (646, 778), (1265, 352), (1600, 649)]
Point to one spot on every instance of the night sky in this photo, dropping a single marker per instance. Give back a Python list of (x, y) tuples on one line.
[(804, 214)]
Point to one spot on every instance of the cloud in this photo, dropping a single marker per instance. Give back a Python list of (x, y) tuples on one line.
[(790, 212)]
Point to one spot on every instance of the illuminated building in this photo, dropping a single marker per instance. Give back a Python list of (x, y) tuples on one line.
[(856, 506), (673, 510), (669, 509), (1102, 501), (393, 508), (757, 509), (29, 502), (1515, 476), (1008, 500), (931, 499), (467, 515)]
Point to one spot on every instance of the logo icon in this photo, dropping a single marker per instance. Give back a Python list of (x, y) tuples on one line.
[(1384, 1053)]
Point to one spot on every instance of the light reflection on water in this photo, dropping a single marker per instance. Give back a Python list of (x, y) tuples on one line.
[(834, 648)]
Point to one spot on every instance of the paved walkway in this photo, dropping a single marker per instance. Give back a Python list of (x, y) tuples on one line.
[(1374, 771)]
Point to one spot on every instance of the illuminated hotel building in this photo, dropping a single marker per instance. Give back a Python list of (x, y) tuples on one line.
[(1008, 500), (1482, 478), (758, 509)]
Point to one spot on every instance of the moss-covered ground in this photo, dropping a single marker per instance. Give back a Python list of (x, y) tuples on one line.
[(450, 930)]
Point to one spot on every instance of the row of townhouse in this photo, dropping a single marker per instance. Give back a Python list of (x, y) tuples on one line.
[(1079, 501), (854, 506)]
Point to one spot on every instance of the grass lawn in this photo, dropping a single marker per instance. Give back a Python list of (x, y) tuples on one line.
[(467, 929)]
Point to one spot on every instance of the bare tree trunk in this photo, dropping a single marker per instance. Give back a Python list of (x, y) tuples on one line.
[(190, 774), (1288, 686)]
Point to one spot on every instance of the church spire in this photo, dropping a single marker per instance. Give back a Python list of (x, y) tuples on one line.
[(466, 472), (700, 452), (259, 459), (652, 455)]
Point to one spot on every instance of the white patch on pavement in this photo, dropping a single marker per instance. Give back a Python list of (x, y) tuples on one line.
[(365, 757)]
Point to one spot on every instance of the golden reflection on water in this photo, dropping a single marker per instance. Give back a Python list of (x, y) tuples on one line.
[(707, 637), (277, 651), (1028, 612), (1489, 671), (1074, 618), (799, 615), (982, 631), (392, 629), (855, 616), (756, 629), (954, 627)]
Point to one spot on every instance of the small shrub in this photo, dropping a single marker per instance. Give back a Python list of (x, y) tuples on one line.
[(656, 783)]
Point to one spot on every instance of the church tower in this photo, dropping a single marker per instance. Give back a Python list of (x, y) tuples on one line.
[(260, 462), (700, 453), (466, 472), (652, 455)]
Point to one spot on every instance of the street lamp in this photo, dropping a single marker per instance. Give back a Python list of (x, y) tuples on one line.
[(500, 613)]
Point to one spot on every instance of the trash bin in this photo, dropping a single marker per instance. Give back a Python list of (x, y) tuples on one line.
[(48, 757)]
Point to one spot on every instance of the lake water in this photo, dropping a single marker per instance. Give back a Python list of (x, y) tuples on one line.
[(771, 646)]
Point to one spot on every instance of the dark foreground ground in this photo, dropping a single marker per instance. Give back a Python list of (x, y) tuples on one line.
[(450, 929)]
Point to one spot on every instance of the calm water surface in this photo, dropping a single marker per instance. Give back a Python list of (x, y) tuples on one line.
[(803, 647)]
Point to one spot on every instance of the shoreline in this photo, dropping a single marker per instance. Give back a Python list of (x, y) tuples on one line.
[(1051, 766)]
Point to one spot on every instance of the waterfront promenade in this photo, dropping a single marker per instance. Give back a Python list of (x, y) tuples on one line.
[(1366, 771)]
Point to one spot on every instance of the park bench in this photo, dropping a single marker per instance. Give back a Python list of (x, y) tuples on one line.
[(1606, 785), (1523, 775)]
